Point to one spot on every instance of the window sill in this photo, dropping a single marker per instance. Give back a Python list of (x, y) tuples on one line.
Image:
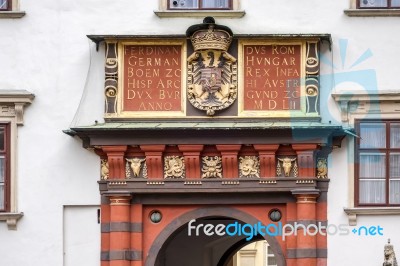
[(372, 12), (353, 212), (200, 13), (11, 218), (12, 14)]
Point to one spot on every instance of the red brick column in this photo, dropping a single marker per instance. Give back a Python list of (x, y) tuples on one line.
[(116, 161), (154, 160), (192, 159), (305, 159), (120, 253), (267, 159), (136, 228), (105, 230), (306, 251), (229, 155)]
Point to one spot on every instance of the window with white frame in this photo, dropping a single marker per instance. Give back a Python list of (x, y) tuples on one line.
[(378, 4), (12, 103), (200, 4), (200, 8), (5, 5), (10, 9), (4, 168), (378, 158)]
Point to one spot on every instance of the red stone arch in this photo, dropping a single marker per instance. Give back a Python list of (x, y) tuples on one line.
[(162, 239)]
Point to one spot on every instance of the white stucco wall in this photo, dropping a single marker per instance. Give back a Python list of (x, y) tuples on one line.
[(47, 53)]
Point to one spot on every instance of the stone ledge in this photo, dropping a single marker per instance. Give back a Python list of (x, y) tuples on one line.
[(199, 13), (353, 212), (12, 14), (11, 218), (372, 12)]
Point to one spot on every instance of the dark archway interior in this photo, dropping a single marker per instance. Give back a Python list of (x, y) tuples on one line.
[(199, 249)]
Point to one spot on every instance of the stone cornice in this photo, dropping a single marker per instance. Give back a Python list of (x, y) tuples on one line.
[(12, 103), (383, 98), (11, 219), (353, 212)]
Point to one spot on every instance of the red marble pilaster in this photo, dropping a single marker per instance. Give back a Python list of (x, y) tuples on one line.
[(305, 159), (116, 161), (120, 241), (192, 159), (154, 156), (229, 153), (267, 159)]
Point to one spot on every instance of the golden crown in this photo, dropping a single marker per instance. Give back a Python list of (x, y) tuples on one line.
[(211, 38)]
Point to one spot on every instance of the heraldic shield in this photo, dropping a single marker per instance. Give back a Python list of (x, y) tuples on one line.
[(212, 71)]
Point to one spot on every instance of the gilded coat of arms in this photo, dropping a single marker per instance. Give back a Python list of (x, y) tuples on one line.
[(212, 71)]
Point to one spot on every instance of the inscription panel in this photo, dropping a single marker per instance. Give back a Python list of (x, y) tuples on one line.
[(272, 78), (153, 78)]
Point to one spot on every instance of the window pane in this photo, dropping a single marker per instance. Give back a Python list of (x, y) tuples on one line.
[(215, 3), (394, 165), (1, 196), (372, 165), (272, 261), (184, 4), (395, 134), (2, 169), (372, 191), (395, 3), (1, 137), (394, 192), (3, 4), (373, 135), (373, 3)]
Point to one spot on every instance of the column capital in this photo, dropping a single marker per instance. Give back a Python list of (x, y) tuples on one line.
[(306, 195)]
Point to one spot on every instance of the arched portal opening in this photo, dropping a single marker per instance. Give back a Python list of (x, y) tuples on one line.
[(200, 241)]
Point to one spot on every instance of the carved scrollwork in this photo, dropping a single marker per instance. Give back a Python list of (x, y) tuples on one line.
[(249, 166), (312, 75), (212, 167), (174, 167), (111, 92), (111, 77)]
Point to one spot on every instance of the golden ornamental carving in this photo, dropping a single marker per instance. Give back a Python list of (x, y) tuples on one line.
[(249, 166), (135, 166), (212, 167), (174, 167), (212, 71), (288, 165), (211, 38), (322, 168), (104, 170)]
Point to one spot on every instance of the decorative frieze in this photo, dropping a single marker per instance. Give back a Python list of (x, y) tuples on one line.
[(212, 167), (322, 168), (174, 167), (249, 166), (287, 167), (136, 167), (104, 170)]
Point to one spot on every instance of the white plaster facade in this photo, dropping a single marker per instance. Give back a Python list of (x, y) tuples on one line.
[(47, 53)]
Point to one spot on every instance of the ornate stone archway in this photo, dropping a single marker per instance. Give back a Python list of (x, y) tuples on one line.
[(162, 239)]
